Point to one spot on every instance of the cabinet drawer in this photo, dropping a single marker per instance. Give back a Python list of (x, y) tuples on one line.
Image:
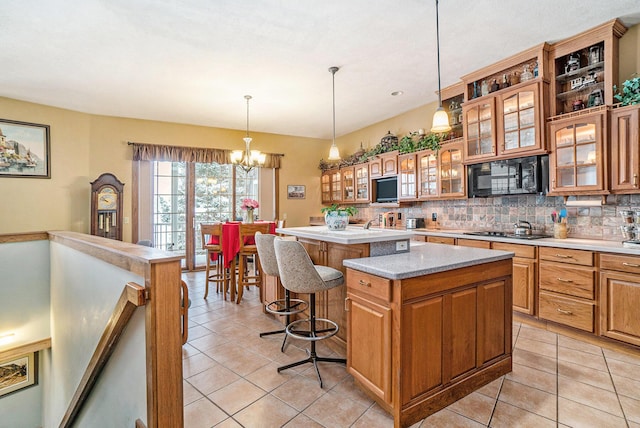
[(568, 311), (576, 257), (441, 240), (574, 281), (370, 285), (629, 264), (474, 243), (525, 251)]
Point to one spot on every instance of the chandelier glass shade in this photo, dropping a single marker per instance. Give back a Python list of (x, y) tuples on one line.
[(247, 159)]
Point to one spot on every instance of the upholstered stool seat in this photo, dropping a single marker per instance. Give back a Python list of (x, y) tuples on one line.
[(299, 275), (281, 307)]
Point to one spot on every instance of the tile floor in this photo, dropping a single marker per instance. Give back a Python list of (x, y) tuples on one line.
[(230, 379)]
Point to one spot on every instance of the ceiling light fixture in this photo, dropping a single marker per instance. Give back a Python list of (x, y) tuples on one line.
[(334, 153), (247, 159), (440, 118)]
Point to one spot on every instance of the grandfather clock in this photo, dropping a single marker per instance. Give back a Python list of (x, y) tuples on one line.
[(106, 207)]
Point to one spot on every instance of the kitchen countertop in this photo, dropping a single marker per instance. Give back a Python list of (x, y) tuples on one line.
[(570, 243), (352, 235), (424, 260)]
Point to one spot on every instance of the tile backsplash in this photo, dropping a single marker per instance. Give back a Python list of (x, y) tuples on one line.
[(500, 213)]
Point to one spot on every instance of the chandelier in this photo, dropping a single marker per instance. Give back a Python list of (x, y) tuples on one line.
[(247, 159), (440, 118)]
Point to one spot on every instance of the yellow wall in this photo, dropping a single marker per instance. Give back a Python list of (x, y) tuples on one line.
[(83, 146), (629, 56)]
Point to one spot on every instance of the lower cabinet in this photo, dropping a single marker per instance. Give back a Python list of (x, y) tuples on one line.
[(441, 240), (567, 287), (419, 344), (525, 275), (620, 297)]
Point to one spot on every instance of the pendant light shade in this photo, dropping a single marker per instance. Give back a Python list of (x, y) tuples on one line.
[(440, 118), (334, 153)]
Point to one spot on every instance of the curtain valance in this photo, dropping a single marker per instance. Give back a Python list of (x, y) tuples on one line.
[(156, 152)]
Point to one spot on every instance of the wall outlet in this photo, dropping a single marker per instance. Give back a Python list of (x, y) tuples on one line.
[(284, 216), (402, 246), (126, 220)]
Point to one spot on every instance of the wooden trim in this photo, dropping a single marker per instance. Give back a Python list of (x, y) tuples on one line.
[(131, 257), (164, 346), (539, 52), (25, 349), (135, 201), (140, 424), (24, 237), (131, 298)]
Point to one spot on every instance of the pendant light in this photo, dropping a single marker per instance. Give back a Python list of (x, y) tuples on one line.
[(334, 153), (247, 159), (440, 118)]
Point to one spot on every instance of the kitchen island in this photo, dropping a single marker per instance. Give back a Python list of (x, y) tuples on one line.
[(428, 327), (330, 248)]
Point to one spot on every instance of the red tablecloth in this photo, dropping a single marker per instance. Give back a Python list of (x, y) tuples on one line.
[(231, 240)]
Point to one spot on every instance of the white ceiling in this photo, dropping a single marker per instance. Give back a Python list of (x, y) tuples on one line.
[(192, 61)]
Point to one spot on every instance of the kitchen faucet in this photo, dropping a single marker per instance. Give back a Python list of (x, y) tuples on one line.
[(367, 225)]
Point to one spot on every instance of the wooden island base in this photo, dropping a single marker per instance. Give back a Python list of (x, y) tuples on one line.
[(417, 345)]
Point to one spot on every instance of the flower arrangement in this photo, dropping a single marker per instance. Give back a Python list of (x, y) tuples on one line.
[(249, 204)]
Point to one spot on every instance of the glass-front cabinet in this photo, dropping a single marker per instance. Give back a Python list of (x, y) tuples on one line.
[(520, 120), (336, 186), (480, 136), (348, 184), (362, 183), (407, 176), (325, 187), (577, 158), (452, 175), (427, 174)]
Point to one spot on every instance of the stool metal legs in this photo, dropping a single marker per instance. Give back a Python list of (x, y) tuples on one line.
[(286, 307), (312, 335)]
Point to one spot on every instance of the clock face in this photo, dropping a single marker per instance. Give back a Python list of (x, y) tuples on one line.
[(107, 199)]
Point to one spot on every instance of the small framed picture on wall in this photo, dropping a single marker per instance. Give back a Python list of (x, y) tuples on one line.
[(295, 191), (24, 149)]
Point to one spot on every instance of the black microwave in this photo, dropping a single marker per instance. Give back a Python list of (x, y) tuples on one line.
[(520, 176)]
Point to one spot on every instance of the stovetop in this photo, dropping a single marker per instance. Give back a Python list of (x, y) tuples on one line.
[(501, 234)]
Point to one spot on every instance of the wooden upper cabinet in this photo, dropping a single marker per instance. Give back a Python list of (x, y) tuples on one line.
[(384, 164), (325, 187), (625, 150), (336, 186), (577, 164), (585, 68), (520, 121), (428, 174), (480, 130), (407, 177), (452, 173), (348, 184), (363, 194)]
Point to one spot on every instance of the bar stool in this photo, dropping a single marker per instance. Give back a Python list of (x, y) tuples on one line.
[(211, 235), (299, 275), (248, 250), (282, 307)]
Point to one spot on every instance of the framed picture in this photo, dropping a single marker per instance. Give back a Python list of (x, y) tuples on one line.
[(18, 373), (295, 191), (24, 149)]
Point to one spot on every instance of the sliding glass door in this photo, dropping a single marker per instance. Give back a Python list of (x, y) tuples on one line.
[(187, 194)]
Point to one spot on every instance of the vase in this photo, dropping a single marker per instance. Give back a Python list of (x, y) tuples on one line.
[(250, 216), (336, 221)]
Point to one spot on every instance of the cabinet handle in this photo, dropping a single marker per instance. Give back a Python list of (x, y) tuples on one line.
[(630, 264), (564, 280), (562, 311), (364, 283), (563, 256), (346, 304), (635, 180)]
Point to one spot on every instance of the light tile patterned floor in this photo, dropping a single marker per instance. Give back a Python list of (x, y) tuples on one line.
[(230, 379)]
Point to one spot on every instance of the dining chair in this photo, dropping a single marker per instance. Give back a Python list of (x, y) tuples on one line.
[(248, 250), (211, 235)]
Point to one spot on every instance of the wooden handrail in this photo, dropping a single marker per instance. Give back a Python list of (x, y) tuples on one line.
[(133, 296)]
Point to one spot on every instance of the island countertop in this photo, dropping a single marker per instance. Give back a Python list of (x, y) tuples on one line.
[(352, 235), (425, 259)]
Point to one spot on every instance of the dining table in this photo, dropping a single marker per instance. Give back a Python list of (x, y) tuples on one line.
[(231, 248)]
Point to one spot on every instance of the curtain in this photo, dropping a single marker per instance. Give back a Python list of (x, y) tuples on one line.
[(155, 152)]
